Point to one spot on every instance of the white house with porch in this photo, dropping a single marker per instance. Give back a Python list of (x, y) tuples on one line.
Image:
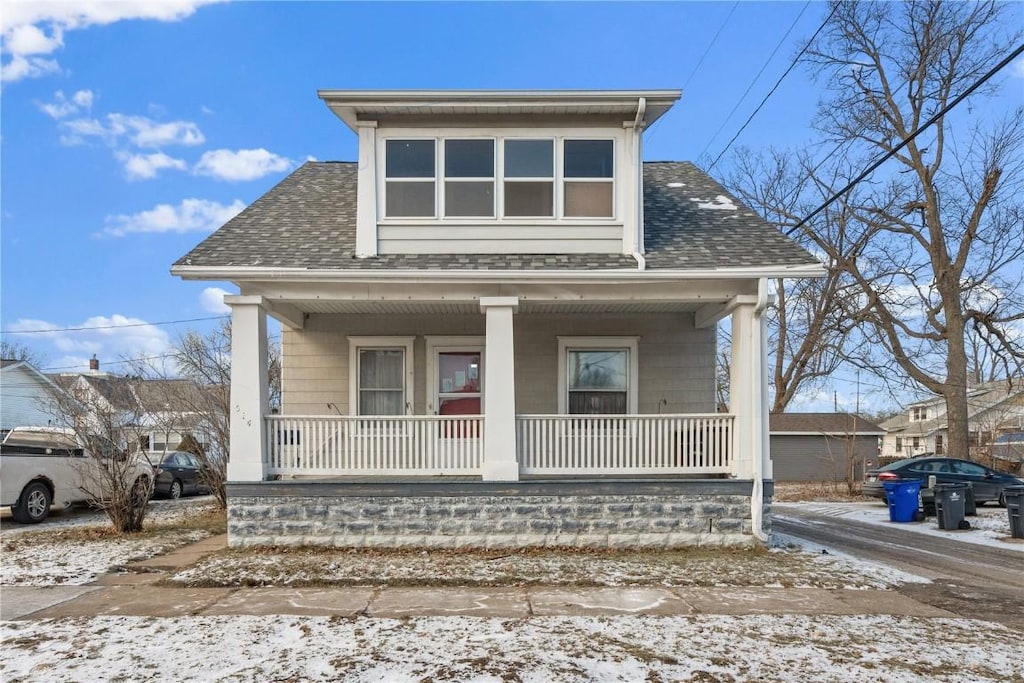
[(498, 328)]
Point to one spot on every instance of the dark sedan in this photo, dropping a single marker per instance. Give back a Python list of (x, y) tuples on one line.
[(178, 474), (988, 484)]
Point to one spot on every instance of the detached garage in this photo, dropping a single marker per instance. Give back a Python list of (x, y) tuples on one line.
[(819, 446)]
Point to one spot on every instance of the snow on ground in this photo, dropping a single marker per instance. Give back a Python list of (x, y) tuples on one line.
[(830, 556), (75, 549), (990, 527), (647, 648)]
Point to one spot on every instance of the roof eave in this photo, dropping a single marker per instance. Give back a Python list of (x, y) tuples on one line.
[(238, 273), (346, 103)]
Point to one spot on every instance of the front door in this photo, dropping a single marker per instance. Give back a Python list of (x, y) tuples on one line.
[(456, 376)]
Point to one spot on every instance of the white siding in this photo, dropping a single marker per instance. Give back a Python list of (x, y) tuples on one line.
[(24, 399), (676, 361)]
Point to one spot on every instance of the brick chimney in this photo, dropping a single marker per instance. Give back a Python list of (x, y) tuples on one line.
[(94, 364)]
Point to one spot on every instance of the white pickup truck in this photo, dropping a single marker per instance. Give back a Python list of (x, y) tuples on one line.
[(41, 466)]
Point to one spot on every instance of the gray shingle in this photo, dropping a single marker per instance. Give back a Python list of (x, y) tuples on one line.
[(308, 221)]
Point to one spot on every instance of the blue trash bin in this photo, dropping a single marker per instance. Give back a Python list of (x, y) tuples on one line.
[(902, 497)]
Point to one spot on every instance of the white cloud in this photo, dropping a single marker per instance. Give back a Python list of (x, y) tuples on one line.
[(31, 29), (62, 107), (191, 215), (1018, 68), (146, 166), (110, 338), (140, 131), (26, 67), (212, 300), (243, 164)]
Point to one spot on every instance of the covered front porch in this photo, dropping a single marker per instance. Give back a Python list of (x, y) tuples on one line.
[(517, 403)]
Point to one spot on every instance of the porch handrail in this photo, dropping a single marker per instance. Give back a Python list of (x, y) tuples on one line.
[(346, 445), (624, 444)]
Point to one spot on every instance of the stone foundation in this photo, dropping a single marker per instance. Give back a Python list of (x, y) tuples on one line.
[(627, 514)]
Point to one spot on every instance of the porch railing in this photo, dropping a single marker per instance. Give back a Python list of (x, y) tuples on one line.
[(625, 444), (545, 444), (391, 445)]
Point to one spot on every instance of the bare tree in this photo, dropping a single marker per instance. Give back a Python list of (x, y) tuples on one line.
[(106, 420), (196, 386), (938, 239), (20, 352), (809, 335)]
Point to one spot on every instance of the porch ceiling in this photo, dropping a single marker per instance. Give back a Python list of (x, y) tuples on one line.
[(449, 308)]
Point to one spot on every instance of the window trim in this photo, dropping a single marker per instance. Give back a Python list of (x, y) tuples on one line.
[(630, 344), (619, 180), (355, 344)]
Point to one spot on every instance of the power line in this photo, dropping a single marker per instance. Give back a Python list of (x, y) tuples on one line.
[(750, 87), (710, 45), (111, 327), (771, 92), (906, 141)]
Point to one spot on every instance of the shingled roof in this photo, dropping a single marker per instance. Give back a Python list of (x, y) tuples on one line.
[(309, 221), (821, 423)]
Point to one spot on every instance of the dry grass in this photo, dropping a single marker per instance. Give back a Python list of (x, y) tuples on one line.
[(206, 519), (569, 567), (817, 491)]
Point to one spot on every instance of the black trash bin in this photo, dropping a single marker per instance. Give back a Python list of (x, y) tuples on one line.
[(1014, 496), (970, 507), (949, 505)]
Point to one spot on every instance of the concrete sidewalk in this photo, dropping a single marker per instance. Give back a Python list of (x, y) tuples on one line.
[(132, 594)]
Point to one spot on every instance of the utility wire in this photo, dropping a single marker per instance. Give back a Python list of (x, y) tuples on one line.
[(906, 141), (771, 92), (110, 327), (710, 45)]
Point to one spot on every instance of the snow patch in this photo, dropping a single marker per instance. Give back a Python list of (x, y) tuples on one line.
[(719, 203)]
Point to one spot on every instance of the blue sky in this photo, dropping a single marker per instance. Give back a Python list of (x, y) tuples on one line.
[(131, 130)]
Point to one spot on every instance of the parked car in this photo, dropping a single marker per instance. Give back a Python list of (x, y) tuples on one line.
[(988, 484), (178, 474), (42, 466)]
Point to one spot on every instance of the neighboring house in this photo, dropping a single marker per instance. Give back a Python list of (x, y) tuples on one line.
[(498, 328), (994, 408), (157, 412), (26, 396), (822, 446)]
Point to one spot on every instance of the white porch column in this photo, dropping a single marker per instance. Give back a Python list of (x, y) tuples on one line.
[(499, 405), (746, 382), (249, 390)]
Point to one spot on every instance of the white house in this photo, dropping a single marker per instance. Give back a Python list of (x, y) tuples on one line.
[(498, 328), (993, 408), (26, 396)]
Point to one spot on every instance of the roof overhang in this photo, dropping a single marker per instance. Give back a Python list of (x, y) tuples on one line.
[(352, 106), (241, 273)]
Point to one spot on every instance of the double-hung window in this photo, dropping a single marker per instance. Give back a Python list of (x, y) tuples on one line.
[(529, 178), (380, 375), (410, 172), (588, 172), (469, 178), (501, 177), (597, 375)]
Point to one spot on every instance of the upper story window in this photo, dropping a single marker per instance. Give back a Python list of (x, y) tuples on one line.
[(499, 177), (918, 414), (410, 171)]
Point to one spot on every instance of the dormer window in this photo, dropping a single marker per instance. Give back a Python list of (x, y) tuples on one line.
[(410, 172), (469, 178), (500, 177), (530, 178), (589, 169), (918, 414)]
